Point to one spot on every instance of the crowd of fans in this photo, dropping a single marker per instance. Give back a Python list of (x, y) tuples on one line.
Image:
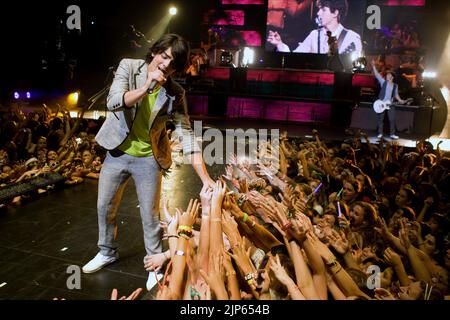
[(329, 221), (349, 221), (45, 143)]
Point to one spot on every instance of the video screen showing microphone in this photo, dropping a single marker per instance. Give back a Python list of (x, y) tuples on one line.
[(315, 26)]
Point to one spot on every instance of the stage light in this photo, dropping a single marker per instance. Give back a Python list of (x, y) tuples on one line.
[(355, 56), (72, 99), (16, 95), (28, 95), (359, 64), (429, 74), (173, 11), (248, 57)]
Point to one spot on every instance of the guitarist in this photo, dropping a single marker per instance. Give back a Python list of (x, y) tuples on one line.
[(330, 15), (389, 91)]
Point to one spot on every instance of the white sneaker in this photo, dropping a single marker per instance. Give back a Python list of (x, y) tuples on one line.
[(379, 136), (151, 281), (394, 137), (99, 262)]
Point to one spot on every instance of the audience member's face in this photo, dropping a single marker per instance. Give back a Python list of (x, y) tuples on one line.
[(411, 292), (42, 143), (433, 224), (87, 158), (429, 245), (402, 199), (356, 216), (52, 155), (326, 16), (349, 192), (83, 136), (329, 219)]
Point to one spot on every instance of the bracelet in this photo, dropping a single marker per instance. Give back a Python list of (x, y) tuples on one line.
[(185, 228), (241, 200), (179, 253), (332, 264), (232, 273), (245, 217), (186, 236), (249, 278), (173, 236), (339, 268)]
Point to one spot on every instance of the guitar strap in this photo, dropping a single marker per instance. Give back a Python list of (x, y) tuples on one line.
[(341, 38)]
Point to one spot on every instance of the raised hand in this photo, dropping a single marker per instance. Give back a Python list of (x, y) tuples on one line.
[(404, 234), (215, 276), (339, 242), (132, 296), (391, 257), (230, 228), (205, 198), (321, 248), (188, 217), (218, 194), (279, 271)]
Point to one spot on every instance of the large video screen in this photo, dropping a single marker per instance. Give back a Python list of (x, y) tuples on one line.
[(315, 26)]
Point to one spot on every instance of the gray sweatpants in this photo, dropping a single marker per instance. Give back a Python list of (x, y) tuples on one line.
[(114, 176)]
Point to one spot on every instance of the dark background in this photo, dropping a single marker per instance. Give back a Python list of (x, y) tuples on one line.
[(32, 31)]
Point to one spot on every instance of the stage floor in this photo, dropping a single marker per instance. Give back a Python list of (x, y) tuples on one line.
[(41, 239)]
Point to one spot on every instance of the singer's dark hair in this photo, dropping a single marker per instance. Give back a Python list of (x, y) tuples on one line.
[(180, 50), (340, 5)]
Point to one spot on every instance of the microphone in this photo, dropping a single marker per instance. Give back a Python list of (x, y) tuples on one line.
[(152, 86), (154, 83), (319, 22)]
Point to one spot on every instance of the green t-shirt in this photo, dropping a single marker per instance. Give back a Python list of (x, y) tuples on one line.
[(138, 142)]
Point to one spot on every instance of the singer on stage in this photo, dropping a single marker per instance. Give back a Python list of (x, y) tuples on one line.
[(142, 98), (330, 14)]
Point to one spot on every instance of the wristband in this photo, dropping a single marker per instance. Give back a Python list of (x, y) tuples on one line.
[(249, 278), (185, 235), (186, 228), (179, 253)]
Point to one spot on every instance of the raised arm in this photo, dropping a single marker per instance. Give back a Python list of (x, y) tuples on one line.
[(377, 74)]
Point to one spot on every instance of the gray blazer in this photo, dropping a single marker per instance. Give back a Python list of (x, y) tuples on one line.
[(170, 105)]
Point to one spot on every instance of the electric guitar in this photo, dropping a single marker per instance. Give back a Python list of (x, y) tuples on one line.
[(380, 106)]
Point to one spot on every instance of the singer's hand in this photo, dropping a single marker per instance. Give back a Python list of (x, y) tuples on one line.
[(156, 75), (274, 38)]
